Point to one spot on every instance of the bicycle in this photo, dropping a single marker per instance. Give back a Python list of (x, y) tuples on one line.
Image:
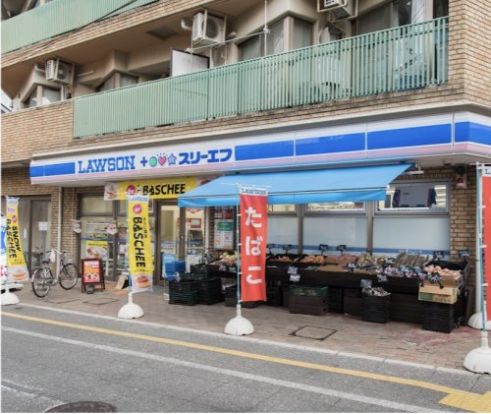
[(43, 279)]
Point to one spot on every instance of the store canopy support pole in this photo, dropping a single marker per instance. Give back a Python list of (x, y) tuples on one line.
[(130, 310), (479, 360), (9, 298), (238, 325)]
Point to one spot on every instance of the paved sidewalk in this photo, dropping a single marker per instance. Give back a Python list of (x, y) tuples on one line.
[(394, 340)]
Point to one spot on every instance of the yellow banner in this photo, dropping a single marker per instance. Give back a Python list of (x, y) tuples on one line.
[(160, 188), (139, 249), (16, 263)]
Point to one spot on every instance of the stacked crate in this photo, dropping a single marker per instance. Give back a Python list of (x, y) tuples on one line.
[(210, 291), (375, 308), (438, 317), (335, 299), (184, 292), (308, 300)]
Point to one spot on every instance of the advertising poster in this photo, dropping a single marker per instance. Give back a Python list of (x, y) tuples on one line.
[(154, 189), (3, 250), (254, 232), (91, 271), (486, 184), (16, 264), (224, 229), (96, 249), (140, 248)]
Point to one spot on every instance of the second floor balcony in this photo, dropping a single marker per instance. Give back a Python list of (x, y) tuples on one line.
[(398, 59)]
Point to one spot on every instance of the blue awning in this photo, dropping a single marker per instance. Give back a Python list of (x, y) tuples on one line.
[(299, 187)]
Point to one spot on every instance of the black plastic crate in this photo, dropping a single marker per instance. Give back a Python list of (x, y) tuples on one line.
[(274, 296), (437, 325), (352, 292), (335, 302), (307, 310), (405, 308), (352, 305), (439, 317), (375, 308)]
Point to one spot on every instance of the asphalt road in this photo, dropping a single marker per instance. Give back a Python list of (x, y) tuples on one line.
[(51, 357)]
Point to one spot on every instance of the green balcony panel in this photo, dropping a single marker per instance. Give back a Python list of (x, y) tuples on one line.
[(57, 17), (398, 59)]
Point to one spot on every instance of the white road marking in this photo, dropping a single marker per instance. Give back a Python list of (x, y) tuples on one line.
[(30, 395), (237, 374), (251, 340)]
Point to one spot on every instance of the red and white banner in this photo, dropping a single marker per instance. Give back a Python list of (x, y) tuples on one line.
[(254, 232), (486, 201)]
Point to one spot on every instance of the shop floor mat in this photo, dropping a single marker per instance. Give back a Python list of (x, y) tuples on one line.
[(100, 301), (314, 332), (61, 300)]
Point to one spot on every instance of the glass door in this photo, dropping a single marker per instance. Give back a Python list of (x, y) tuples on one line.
[(40, 231), (171, 241)]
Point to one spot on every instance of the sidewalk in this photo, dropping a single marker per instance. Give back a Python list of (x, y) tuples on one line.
[(394, 340)]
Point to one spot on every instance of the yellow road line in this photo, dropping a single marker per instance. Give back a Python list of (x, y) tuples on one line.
[(455, 398)]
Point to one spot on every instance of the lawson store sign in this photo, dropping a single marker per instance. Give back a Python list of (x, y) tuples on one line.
[(401, 139)]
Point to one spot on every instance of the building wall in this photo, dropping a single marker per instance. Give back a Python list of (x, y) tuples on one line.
[(97, 30), (36, 129), (16, 183), (470, 48)]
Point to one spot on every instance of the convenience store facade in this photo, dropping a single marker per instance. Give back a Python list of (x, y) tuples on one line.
[(430, 207)]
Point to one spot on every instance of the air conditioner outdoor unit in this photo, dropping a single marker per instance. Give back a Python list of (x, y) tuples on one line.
[(341, 9), (207, 29), (59, 71)]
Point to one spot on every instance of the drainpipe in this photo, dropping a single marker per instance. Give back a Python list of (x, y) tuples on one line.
[(58, 230), (266, 29)]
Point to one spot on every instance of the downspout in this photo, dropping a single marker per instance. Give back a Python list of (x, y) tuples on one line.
[(265, 29), (58, 229)]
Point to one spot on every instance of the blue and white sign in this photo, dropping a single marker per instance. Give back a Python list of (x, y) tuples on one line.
[(400, 139)]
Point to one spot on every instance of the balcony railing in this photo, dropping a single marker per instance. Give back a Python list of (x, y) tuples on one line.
[(403, 58), (57, 17)]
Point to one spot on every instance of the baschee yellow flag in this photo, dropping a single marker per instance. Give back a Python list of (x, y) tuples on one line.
[(16, 263), (139, 250)]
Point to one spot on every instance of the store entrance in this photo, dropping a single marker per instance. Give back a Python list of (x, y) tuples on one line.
[(180, 238)]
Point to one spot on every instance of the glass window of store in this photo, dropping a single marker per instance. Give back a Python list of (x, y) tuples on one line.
[(335, 224), (35, 228), (414, 216), (283, 227)]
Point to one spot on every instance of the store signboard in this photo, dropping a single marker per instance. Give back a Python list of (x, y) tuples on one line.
[(16, 263), (140, 246), (163, 188), (486, 185), (352, 142), (254, 232)]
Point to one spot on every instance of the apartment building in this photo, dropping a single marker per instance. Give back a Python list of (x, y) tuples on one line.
[(161, 96)]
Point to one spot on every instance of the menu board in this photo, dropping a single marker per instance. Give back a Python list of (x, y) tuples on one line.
[(224, 229)]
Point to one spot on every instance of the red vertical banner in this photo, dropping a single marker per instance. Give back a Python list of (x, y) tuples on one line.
[(253, 238), (486, 201)]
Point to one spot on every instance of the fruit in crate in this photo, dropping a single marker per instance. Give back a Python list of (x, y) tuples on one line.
[(443, 272), (313, 259), (285, 259), (228, 259)]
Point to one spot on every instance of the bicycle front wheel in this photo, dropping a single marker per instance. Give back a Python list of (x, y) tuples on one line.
[(68, 276), (41, 282)]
